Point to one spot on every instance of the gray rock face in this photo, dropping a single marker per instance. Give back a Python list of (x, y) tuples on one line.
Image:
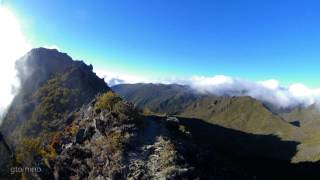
[(105, 123)]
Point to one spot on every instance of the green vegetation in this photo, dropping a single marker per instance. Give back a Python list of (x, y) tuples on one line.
[(125, 110), (107, 101), (29, 148), (117, 141), (245, 114), (309, 119), (55, 100), (241, 113), (157, 99)]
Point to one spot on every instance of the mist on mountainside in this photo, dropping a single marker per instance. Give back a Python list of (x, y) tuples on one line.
[(13, 45)]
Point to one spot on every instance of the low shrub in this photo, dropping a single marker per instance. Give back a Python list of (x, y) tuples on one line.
[(117, 141), (107, 101), (28, 149)]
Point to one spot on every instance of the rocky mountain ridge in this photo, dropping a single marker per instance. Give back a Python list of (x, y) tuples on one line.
[(245, 114), (52, 86), (70, 124), (67, 122)]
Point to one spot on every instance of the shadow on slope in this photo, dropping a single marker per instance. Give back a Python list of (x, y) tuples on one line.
[(262, 156)]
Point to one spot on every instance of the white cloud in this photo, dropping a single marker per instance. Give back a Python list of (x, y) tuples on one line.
[(269, 91), (13, 45), (212, 81), (271, 84), (114, 78)]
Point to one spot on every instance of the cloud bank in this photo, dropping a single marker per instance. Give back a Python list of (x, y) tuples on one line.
[(13, 45), (114, 78), (269, 91)]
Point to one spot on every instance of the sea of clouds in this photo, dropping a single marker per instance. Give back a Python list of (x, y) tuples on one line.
[(269, 91)]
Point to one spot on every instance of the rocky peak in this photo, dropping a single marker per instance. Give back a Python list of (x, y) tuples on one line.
[(52, 84), (39, 65)]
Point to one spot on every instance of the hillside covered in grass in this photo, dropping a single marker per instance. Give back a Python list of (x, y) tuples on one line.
[(246, 114)]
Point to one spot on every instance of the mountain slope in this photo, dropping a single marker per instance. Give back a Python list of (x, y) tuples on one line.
[(241, 113), (159, 98), (306, 116), (52, 86), (49, 77), (308, 121)]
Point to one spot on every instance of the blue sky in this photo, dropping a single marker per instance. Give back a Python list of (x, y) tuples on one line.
[(250, 39)]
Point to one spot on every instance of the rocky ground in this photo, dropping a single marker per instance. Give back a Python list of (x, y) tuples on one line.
[(116, 144), (113, 145)]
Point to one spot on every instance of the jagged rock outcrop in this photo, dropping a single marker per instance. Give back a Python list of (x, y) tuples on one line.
[(52, 86)]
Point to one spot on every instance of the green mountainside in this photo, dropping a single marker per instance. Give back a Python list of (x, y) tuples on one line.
[(240, 113), (308, 121), (245, 114), (306, 116), (158, 98)]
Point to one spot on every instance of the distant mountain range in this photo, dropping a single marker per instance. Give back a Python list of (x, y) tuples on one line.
[(242, 113), (71, 124)]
